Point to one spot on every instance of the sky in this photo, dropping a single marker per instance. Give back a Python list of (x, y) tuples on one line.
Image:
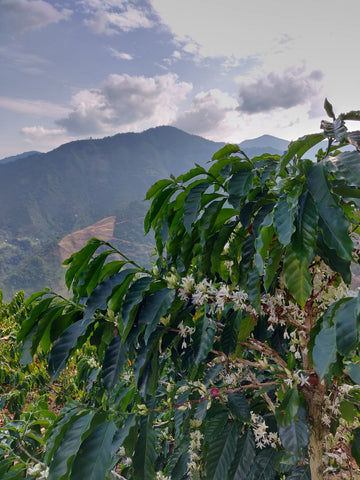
[(227, 70)]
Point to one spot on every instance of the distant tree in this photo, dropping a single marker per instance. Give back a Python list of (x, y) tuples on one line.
[(237, 355)]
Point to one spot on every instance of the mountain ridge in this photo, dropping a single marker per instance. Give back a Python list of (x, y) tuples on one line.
[(47, 196)]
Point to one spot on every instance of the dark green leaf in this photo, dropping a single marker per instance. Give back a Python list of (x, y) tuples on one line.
[(300, 473), (329, 109), (295, 436), (221, 453), (306, 224), (284, 221), (335, 225), (262, 468), (145, 453), (239, 406), (94, 457), (154, 307), (70, 339), (346, 326), (355, 445), (65, 454), (246, 456), (114, 360), (131, 301), (226, 151), (324, 352), (157, 187), (288, 408), (353, 369), (192, 203), (297, 276), (203, 338), (299, 147)]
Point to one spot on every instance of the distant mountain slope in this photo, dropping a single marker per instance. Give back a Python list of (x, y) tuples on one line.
[(17, 157), (46, 197), (83, 181), (264, 144)]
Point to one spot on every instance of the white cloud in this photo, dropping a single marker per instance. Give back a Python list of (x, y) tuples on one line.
[(291, 88), (110, 17), (41, 132), (33, 107), (22, 15), (207, 113), (119, 55), (125, 102)]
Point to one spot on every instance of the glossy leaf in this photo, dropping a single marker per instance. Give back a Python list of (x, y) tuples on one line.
[(353, 369), (297, 276), (306, 228), (300, 473), (192, 203), (262, 468), (94, 457), (300, 147), (284, 221), (203, 339), (65, 454), (65, 344), (335, 225), (225, 151), (155, 306), (114, 360), (221, 453), (295, 436), (246, 456), (324, 352), (131, 301), (239, 406), (346, 326), (145, 453)]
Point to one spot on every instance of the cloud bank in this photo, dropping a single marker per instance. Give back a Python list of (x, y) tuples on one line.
[(124, 102), (274, 91)]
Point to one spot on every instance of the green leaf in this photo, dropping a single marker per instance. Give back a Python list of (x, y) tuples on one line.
[(262, 468), (154, 307), (324, 352), (114, 360), (284, 221), (329, 109), (353, 369), (272, 265), (123, 432), (192, 203), (239, 406), (240, 185), (355, 445), (297, 276), (246, 456), (157, 207), (346, 326), (299, 147), (348, 411), (345, 167), (79, 260), (300, 473), (295, 436), (94, 457), (145, 453), (203, 339), (100, 295), (335, 225), (226, 151), (64, 455), (221, 453), (306, 228), (157, 187), (133, 297), (288, 408), (262, 243), (65, 344)]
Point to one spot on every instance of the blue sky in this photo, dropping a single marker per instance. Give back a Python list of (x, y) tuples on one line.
[(226, 70)]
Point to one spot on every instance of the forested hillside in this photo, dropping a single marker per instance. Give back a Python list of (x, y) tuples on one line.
[(45, 197)]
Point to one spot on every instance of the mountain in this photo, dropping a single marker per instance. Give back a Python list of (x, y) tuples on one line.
[(52, 202), (17, 157), (264, 144)]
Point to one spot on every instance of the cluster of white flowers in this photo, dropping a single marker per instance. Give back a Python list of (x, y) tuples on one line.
[(194, 464), (216, 295), (263, 438), (39, 471), (161, 476), (185, 331), (355, 237)]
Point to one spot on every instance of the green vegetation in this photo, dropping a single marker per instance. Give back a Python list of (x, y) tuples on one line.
[(235, 356)]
